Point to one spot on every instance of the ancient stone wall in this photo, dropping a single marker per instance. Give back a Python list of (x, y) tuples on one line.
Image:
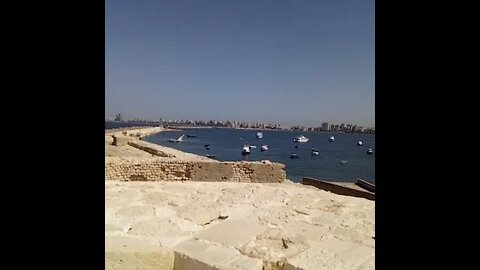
[(163, 170)]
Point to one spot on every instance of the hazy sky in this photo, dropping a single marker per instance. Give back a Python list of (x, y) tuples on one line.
[(281, 61)]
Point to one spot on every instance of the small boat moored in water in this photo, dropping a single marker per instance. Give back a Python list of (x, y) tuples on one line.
[(179, 140), (331, 139), (301, 139), (293, 155), (370, 151), (246, 150), (315, 152), (264, 147), (253, 146), (343, 161), (259, 135), (360, 143), (211, 156)]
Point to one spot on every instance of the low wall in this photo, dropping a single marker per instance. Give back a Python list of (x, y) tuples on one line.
[(163, 170)]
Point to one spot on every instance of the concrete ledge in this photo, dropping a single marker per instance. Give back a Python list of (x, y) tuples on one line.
[(340, 188)]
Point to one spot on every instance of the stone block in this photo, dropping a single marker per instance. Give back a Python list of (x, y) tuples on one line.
[(125, 253), (201, 255), (233, 232), (332, 253)]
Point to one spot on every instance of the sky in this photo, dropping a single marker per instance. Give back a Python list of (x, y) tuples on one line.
[(281, 61)]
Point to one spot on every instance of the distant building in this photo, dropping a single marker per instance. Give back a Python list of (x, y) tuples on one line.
[(325, 127)]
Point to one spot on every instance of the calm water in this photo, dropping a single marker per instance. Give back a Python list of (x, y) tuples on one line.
[(226, 145)]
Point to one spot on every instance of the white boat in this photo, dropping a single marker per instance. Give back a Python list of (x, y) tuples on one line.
[(301, 139), (315, 152), (264, 147), (331, 139), (344, 161), (293, 155), (179, 140), (360, 143), (370, 151), (253, 147), (246, 150), (259, 135)]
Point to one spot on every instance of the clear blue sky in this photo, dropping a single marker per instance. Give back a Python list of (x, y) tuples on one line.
[(282, 61)]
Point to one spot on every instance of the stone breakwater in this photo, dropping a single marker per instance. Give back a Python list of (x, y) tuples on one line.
[(152, 169)]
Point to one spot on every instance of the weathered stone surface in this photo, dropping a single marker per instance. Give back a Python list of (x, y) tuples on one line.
[(331, 253), (233, 232), (297, 220), (127, 253), (200, 255)]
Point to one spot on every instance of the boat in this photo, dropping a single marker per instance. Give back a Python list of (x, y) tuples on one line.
[(206, 145), (259, 135), (253, 147), (343, 161), (370, 151), (331, 139), (301, 139), (264, 147), (207, 148), (179, 140), (293, 155), (191, 136), (211, 156), (315, 152), (360, 143), (246, 150)]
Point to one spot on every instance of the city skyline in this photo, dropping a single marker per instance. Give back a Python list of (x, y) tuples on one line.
[(325, 126), (289, 62)]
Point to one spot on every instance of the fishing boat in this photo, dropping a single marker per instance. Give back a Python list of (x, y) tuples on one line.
[(359, 143), (343, 161), (253, 146), (211, 156), (331, 139), (370, 151), (301, 139), (315, 152), (179, 140), (206, 145), (246, 150), (264, 148), (259, 135), (293, 155)]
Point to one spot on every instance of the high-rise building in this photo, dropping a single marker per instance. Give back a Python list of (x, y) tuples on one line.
[(325, 127)]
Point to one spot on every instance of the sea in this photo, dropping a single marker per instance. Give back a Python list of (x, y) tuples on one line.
[(227, 144)]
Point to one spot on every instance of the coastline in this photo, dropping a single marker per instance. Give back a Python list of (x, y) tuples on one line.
[(222, 222)]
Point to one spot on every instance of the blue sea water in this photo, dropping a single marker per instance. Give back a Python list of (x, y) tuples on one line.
[(226, 145)]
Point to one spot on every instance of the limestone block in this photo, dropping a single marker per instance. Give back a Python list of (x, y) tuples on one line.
[(332, 253), (124, 253), (233, 232), (200, 255)]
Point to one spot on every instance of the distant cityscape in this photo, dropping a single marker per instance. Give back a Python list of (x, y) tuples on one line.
[(325, 127)]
